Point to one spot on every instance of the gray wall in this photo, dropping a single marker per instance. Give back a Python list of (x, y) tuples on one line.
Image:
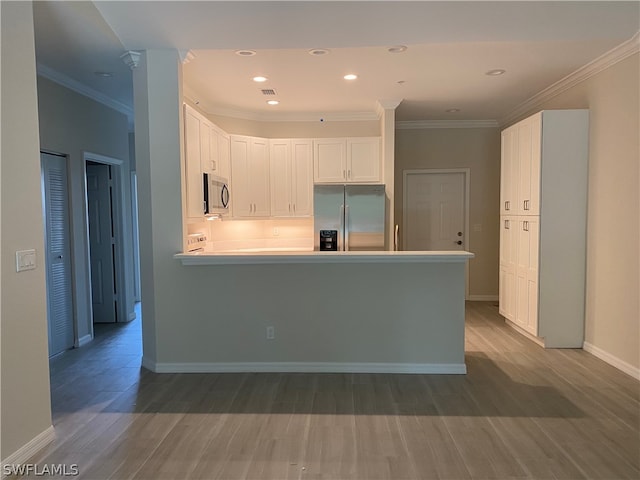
[(479, 150), (71, 124), (25, 403)]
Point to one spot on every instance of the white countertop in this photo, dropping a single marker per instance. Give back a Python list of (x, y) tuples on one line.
[(283, 256)]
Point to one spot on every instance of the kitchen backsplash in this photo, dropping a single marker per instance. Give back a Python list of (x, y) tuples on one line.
[(280, 233)]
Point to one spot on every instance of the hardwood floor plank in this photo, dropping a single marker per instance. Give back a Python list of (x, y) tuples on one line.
[(521, 412)]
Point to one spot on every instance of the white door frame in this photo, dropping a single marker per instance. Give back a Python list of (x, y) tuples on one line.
[(119, 177), (405, 207)]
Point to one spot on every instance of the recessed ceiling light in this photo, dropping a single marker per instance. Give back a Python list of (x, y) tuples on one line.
[(273, 102), (259, 79), (452, 110), (318, 51), (397, 49), (496, 72), (245, 53), (103, 74), (350, 76)]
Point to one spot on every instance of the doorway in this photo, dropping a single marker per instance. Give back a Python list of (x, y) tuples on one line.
[(436, 210), (105, 227), (57, 220), (102, 242)]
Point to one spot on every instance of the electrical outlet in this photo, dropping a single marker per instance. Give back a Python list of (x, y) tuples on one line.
[(271, 333)]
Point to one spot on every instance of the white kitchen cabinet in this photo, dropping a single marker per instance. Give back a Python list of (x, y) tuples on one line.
[(290, 162), (363, 160), (347, 160), (508, 246), (543, 239), (250, 176), (193, 196), (526, 273)]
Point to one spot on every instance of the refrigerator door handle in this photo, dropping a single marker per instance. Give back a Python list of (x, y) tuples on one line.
[(346, 228), (341, 232)]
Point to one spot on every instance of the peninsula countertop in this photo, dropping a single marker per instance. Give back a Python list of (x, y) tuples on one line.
[(284, 256)]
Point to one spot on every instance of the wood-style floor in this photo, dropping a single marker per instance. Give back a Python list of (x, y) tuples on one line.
[(521, 412)]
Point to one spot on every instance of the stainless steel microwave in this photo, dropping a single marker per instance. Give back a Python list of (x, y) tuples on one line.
[(216, 195)]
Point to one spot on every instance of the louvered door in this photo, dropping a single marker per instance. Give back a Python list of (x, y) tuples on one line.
[(58, 253)]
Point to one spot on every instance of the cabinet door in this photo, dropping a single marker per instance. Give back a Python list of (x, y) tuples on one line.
[(194, 197), (280, 172), (329, 158), (224, 157), (508, 171), (507, 300), (240, 188), (205, 147), (363, 160), (214, 151), (302, 177), (529, 138), (259, 177), (527, 274)]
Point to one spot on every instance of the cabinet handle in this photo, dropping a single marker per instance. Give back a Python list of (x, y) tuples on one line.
[(349, 174), (289, 207), (294, 208), (344, 174), (507, 205), (525, 226), (526, 204), (506, 225)]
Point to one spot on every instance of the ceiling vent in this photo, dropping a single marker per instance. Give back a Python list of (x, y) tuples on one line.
[(268, 91)]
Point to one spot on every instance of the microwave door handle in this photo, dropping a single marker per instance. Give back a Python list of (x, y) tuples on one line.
[(224, 196)]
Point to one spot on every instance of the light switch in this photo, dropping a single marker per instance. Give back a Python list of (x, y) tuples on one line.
[(25, 260)]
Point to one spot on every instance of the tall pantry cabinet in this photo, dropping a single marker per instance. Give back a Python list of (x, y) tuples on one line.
[(543, 213)]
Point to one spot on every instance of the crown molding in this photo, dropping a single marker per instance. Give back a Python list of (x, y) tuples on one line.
[(422, 124), (608, 59), (71, 84), (293, 117)]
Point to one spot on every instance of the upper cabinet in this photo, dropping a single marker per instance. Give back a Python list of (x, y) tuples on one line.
[(520, 169), (347, 160), (291, 163), (193, 196), (206, 151), (250, 176)]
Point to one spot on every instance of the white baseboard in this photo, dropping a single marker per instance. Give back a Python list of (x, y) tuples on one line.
[(308, 367), (612, 360), (82, 341), (483, 298), (24, 453)]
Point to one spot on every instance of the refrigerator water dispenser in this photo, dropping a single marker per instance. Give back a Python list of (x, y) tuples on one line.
[(328, 240)]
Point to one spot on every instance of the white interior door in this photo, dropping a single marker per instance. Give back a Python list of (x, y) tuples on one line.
[(101, 242), (434, 211), (58, 253)]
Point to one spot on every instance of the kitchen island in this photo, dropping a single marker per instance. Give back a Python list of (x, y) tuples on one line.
[(276, 311)]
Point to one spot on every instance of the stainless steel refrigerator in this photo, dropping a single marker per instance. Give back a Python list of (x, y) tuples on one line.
[(348, 217)]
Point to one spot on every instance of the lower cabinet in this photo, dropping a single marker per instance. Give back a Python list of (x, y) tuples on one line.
[(519, 253)]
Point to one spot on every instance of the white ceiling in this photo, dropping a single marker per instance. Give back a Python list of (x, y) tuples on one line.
[(450, 47)]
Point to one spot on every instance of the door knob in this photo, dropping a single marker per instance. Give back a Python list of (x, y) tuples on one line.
[(459, 242), (459, 234)]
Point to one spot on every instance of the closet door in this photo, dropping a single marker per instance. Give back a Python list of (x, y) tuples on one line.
[(57, 253)]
